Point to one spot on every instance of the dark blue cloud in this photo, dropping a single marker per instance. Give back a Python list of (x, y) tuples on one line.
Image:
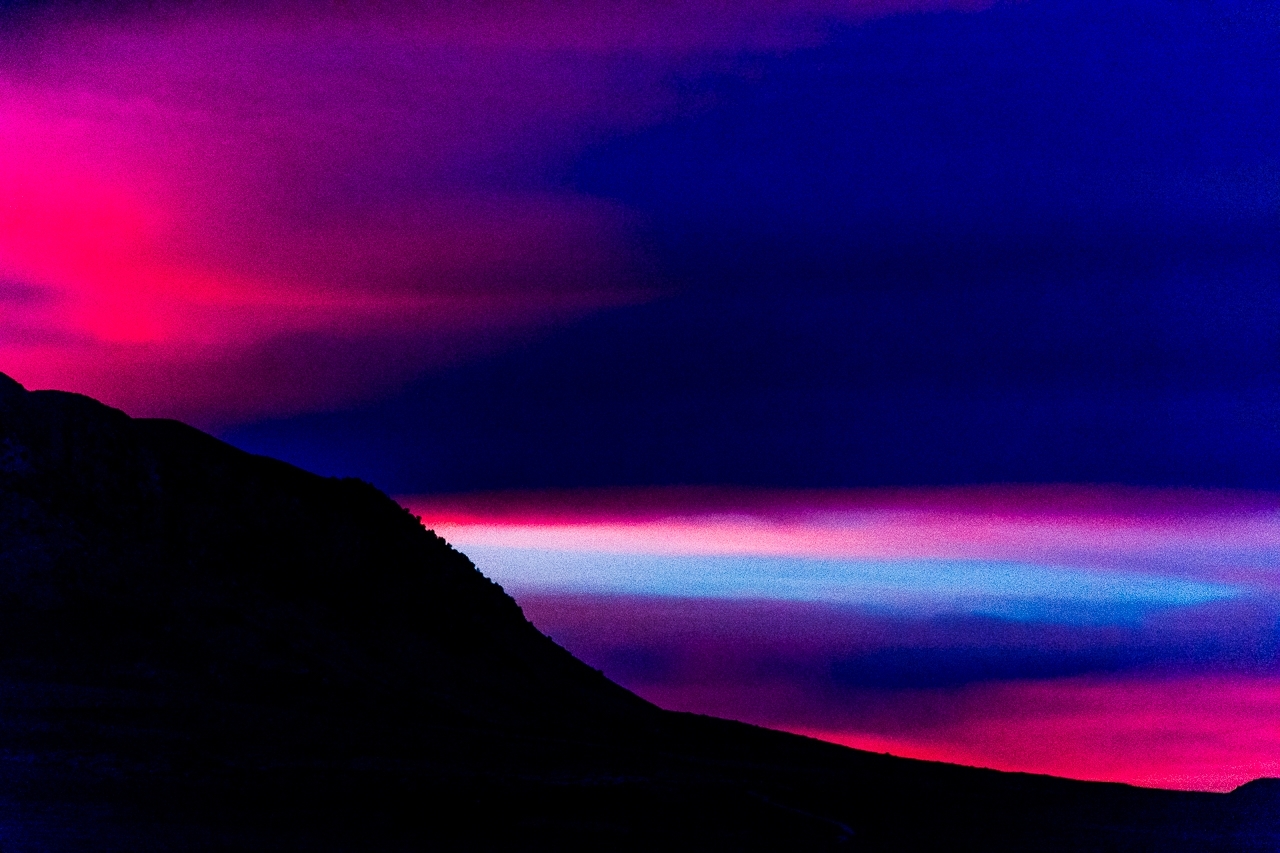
[(835, 650), (1040, 243), (1047, 125)]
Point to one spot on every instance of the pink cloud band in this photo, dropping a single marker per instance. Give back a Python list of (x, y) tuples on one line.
[(230, 211)]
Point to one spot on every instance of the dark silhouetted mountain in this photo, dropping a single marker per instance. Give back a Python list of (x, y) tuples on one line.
[(201, 649)]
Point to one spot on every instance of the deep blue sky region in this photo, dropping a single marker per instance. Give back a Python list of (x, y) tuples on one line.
[(1036, 243)]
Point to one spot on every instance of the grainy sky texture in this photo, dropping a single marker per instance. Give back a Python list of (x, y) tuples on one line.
[(789, 250), (225, 211), (455, 246)]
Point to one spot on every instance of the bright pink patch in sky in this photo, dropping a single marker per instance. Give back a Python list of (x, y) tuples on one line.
[(1203, 733), (1099, 633), (218, 213)]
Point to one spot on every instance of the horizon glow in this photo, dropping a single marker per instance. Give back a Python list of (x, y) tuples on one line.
[(1095, 632)]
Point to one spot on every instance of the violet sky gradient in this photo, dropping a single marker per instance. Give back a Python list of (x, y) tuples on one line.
[(1031, 243), (221, 211), (746, 283)]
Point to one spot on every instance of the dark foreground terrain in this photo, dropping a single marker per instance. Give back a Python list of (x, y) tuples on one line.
[(206, 650)]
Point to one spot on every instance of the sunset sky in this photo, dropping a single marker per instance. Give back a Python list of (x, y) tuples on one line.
[(1105, 633), (920, 358)]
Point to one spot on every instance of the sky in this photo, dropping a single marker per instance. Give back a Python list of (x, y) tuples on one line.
[(780, 256), (1032, 243), (1109, 633)]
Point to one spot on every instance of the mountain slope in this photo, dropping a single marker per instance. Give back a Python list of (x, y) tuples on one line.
[(202, 649), (140, 551)]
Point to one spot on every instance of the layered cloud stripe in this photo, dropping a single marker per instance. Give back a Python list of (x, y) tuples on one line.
[(1102, 633), (923, 587)]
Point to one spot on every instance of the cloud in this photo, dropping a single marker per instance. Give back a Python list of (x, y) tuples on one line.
[(229, 212), (1171, 703), (1080, 631), (1216, 536)]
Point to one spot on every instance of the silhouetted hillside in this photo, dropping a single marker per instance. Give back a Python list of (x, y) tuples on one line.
[(143, 552), (202, 649)]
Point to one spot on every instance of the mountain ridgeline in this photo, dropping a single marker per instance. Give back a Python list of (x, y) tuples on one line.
[(201, 649), (141, 552)]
